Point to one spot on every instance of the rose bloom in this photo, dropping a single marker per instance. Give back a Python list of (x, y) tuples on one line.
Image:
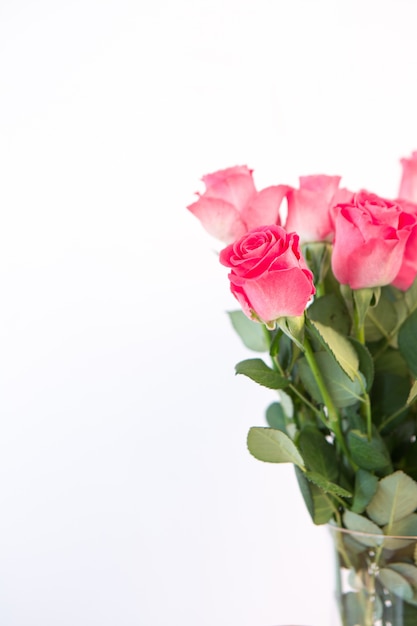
[(309, 207), (408, 184), (371, 234), (231, 205), (269, 276)]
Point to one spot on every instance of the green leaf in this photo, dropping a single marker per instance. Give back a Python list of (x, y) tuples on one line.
[(366, 363), (275, 416), (407, 341), (413, 394), (343, 391), (257, 370), (381, 320), (391, 362), (395, 498), (340, 348), (394, 582), (405, 527), (409, 572), (318, 454), (369, 455), (318, 504), (330, 311), (253, 334), (388, 396), (365, 488), (273, 446), (369, 534), (326, 485)]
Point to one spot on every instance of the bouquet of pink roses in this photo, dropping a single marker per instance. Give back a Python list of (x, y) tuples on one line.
[(330, 293)]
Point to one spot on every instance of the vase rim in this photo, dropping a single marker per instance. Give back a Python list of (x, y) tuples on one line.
[(335, 528)]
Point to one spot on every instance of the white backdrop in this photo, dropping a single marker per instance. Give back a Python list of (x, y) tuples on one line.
[(127, 497)]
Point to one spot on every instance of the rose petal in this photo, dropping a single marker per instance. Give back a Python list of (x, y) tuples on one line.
[(219, 218), (264, 207), (237, 189)]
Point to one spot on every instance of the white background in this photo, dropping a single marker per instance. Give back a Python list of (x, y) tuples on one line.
[(127, 496)]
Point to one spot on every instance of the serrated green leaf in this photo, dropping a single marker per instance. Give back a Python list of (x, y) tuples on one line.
[(340, 348), (318, 454), (326, 485), (369, 455), (365, 489), (395, 498), (372, 534), (257, 370), (253, 334), (318, 504), (273, 446), (407, 341), (343, 391)]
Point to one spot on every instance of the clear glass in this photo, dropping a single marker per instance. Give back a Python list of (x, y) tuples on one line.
[(376, 579)]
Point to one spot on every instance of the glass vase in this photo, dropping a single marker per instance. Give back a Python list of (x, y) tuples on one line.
[(376, 579)]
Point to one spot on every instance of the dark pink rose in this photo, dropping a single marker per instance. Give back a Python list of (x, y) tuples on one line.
[(269, 276), (408, 269), (408, 185), (309, 207), (371, 234), (231, 205)]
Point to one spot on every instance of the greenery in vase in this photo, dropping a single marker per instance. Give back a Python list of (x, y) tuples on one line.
[(329, 294)]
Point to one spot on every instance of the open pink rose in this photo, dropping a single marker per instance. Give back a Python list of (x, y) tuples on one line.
[(269, 276), (309, 207), (231, 205), (408, 185), (371, 234)]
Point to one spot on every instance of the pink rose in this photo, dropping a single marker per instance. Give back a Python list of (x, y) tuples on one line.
[(370, 238), (408, 269), (269, 276), (231, 205), (309, 208), (408, 185)]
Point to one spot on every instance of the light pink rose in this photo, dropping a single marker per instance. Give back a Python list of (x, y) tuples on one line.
[(408, 269), (269, 276), (309, 207), (370, 238), (408, 185), (231, 205)]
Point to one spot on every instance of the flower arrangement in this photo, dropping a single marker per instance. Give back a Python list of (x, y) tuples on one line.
[(330, 294)]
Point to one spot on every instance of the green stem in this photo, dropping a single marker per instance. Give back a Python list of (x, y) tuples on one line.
[(333, 415), (366, 404)]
